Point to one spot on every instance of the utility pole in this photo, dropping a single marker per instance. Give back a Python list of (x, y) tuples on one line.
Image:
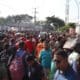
[(35, 12), (67, 12)]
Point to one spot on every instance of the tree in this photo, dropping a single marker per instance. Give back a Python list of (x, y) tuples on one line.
[(14, 19), (55, 21), (72, 25), (67, 27), (2, 21)]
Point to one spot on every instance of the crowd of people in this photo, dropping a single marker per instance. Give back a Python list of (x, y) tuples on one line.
[(31, 56)]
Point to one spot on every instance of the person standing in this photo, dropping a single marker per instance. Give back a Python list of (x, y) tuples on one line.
[(64, 70), (17, 65), (34, 70), (46, 58), (39, 47)]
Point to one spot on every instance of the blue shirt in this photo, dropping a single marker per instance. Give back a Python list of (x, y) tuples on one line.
[(69, 74), (46, 58), (20, 52)]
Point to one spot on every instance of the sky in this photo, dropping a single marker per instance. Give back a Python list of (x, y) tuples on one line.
[(44, 8)]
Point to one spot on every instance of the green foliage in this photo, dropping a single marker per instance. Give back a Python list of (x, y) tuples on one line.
[(14, 19), (52, 23), (66, 28), (72, 25), (56, 21), (2, 21)]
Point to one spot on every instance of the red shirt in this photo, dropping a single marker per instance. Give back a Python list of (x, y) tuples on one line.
[(29, 46)]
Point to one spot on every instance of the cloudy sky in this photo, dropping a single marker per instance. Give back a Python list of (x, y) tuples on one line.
[(44, 8)]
